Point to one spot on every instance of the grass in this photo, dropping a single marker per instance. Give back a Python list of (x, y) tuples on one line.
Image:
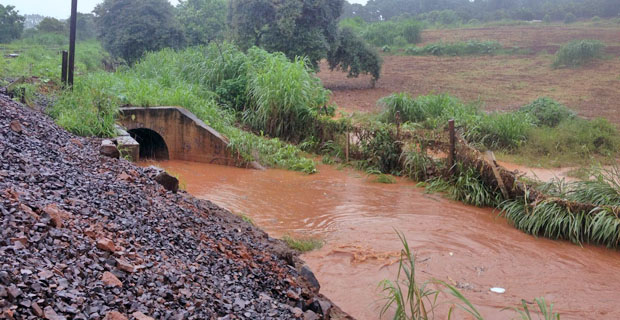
[(458, 48), (577, 53), (409, 298), (544, 130), (554, 220), (302, 244)]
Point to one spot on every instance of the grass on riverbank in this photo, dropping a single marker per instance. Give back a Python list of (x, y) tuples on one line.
[(302, 244)]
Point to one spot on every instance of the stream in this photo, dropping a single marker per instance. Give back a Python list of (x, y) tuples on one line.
[(471, 248)]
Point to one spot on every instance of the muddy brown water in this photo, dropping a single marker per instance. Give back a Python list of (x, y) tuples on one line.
[(469, 247)]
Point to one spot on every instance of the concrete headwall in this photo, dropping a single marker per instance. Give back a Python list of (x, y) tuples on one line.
[(187, 137)]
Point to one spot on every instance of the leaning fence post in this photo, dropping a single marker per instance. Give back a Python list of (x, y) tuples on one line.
[(347, 146), (63, 74), (452, 152)]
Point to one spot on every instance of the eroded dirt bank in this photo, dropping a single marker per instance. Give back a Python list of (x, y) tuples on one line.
[(469, 247), (87, 237)]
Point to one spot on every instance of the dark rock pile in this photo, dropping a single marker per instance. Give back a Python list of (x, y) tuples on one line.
[(89, 237)]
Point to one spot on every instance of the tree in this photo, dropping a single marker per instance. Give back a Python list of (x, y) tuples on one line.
[(85, 26), (295, 27), (354, 56), (129, 28), (203, 20), (51, 25), (11, 24)]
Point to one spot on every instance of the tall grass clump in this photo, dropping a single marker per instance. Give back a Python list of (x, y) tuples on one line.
[(397, 33), (466, 185), (577, 53), (284, 96)]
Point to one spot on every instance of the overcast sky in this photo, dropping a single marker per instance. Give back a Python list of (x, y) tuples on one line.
[(61, 9)]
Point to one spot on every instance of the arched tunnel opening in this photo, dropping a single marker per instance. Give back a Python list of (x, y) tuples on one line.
[(152, 145)]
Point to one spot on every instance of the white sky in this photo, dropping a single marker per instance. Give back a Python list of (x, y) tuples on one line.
[(61, 9)]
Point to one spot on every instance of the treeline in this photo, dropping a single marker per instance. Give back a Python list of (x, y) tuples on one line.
[(298, 28), (455, 11)]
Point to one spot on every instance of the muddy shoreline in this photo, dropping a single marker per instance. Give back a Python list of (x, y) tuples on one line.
[(90, 237)]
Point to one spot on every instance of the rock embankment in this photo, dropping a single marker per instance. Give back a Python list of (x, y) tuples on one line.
[(89, 237)]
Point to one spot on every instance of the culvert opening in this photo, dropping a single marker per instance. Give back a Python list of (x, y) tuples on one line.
[(152, 145)]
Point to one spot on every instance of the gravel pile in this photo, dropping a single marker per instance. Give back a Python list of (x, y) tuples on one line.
[(88, 237)]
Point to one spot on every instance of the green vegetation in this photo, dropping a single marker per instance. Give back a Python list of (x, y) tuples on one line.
[(202, 21), (302, 28), (412, 299), (451, 13), (128, 29), (569, 18), (40, 57), (208, 81), (542, 129), (11, 24), (302, 244), (354, 56), (51, 25), (397, 33), (461, 48), (575, 221), (577, 53)]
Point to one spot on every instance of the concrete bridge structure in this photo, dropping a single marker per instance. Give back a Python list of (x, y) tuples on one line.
[(176, 134)]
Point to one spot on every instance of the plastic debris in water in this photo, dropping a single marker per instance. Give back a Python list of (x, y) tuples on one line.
[(498, 290)]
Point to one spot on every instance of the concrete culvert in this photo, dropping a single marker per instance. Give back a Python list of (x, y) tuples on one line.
[(152, 145)]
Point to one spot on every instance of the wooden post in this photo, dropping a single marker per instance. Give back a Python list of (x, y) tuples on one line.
[(72, 31), (63, 74), (346, 150), (452, 152)]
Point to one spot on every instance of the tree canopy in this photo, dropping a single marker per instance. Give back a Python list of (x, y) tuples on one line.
[(129, 28), (11, 24), (295, 27), (307, 28), (51, 25), (202, 20)]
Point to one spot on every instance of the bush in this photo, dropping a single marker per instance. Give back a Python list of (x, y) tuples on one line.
[(596, 19), (547, 18), (547, 112), (569, 18), (578, 52)]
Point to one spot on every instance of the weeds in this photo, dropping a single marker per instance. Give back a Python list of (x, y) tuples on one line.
[(577, 53), (462, 48), (302, 244)]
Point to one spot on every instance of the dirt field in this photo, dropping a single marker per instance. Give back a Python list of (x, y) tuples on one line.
[(501, 82)]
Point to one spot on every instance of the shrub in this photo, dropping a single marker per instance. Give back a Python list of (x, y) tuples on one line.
[(578, 52), (547, 18), (547, 112), (473, 22), (596, 19), (502, 130), (569, 18)]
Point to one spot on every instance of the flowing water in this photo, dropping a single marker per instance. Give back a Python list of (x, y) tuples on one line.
[(469, 247)]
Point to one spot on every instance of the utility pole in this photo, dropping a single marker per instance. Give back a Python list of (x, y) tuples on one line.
[(73, 25)]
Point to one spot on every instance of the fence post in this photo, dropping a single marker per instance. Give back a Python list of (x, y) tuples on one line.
[(452, 153), (63, 74), (72, 32)]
